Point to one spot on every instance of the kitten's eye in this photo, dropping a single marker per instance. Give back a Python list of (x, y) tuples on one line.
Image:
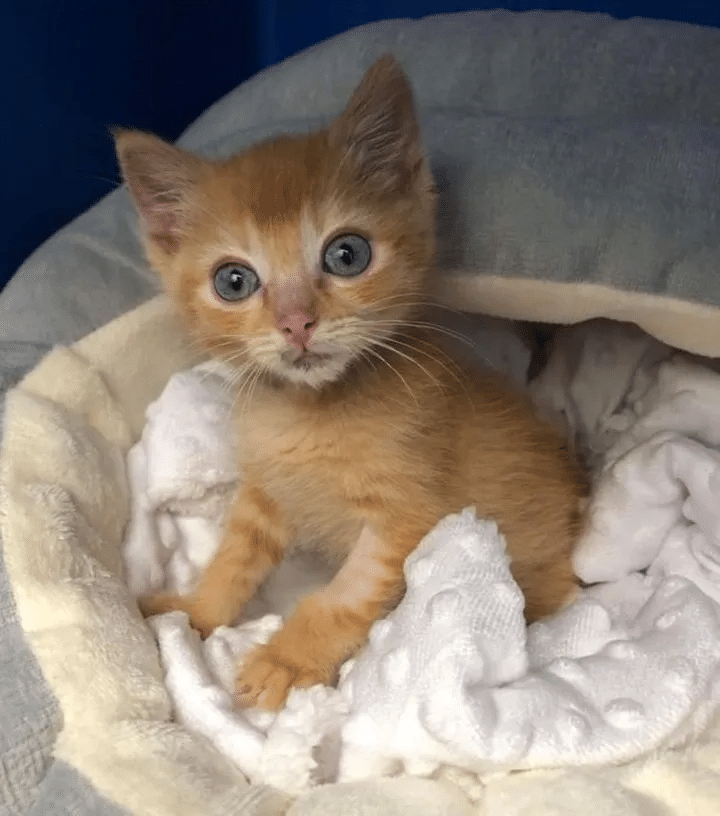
[(235, 282), (347, 255)]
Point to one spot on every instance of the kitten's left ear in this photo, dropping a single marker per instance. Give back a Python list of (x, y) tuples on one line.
[(161, 178), (379, 128)]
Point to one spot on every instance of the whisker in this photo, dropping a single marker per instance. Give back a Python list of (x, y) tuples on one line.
[(114, 183), (230, 387), (399, 296), (242, 395), (233, 360), (434, 359), (416, 324), (251, 391), (363, 354), (377, 342), (412, 360), (476, 353), (424, 342), (396, 324), (392, 367), (421, 300)]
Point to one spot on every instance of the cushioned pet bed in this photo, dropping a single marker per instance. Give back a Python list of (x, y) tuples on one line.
[(577, 160)]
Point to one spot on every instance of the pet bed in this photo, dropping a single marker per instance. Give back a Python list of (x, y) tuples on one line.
[(577, 161)]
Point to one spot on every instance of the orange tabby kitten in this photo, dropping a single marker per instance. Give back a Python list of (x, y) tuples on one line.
[(300, 261)]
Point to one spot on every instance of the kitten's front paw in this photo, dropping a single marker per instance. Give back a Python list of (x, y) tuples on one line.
[(200, 619), (266, 676)]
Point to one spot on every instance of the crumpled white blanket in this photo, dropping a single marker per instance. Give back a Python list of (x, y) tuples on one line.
[(453, 678)]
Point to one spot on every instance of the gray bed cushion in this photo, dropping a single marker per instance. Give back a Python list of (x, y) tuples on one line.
[(568, 148)]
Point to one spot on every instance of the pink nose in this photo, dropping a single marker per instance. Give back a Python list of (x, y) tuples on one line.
[(298, 327)]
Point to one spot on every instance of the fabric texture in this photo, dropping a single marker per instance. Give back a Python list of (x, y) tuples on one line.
[(31, 783), (113, 684), (29, 717), (16, 359), (452, 676), (83, 407), (568, 149), (498, 86)]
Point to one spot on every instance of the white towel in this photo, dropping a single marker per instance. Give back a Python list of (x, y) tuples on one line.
[(452, 677), (596, 372)]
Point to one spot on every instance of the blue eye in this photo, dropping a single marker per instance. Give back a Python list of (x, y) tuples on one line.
[(347, 255), (234, 281)]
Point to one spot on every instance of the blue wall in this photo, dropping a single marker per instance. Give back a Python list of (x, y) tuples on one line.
[(71, 68)]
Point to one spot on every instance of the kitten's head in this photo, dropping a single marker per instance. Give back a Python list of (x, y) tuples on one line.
[(300, 254)]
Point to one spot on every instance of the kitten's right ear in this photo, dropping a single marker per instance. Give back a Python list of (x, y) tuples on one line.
[(160, 177)]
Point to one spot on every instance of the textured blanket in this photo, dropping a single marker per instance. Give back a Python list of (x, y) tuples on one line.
[(453, 678)]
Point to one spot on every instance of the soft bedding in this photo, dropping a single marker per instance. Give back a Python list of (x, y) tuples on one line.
[(118, 728), (452, 677), (577, 164)]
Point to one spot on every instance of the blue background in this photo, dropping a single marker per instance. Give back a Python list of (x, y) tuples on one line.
[(72, 68)]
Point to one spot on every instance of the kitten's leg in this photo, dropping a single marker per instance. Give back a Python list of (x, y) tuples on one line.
[(252, 544), (328, 626)]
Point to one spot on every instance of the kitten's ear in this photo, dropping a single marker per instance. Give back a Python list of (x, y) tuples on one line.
[(160, 177), (379, 128)]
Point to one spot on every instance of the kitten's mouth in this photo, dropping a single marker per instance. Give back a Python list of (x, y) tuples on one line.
[(306, 360), (312, 368)]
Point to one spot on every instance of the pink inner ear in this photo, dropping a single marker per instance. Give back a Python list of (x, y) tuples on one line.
[(161, 204), (162, 217), (160, 177)]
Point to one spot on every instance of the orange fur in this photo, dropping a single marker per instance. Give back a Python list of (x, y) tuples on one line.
[(362, 450)]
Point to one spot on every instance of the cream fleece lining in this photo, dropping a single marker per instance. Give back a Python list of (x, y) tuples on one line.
[(693, 327)]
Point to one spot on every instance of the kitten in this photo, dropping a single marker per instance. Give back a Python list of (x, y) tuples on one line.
[(302, 262)]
